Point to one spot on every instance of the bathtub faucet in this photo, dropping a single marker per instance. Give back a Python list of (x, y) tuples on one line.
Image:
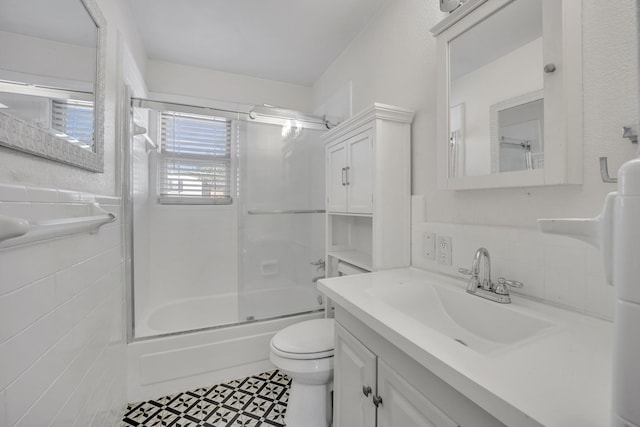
[(320, 264)]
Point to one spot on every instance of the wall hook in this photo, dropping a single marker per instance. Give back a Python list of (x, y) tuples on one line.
[(627, 132), (604, 172)]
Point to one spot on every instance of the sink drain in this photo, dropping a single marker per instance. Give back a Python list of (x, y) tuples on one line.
[(461, 342)]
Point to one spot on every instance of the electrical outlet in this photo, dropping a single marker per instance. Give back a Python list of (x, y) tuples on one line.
[(443, 250), (429, 245)]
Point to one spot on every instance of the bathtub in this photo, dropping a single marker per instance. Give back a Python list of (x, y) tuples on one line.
[(168, 360), (188, 314), (191, 314)]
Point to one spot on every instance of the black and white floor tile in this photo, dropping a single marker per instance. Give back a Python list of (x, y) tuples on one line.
[(256, 401)]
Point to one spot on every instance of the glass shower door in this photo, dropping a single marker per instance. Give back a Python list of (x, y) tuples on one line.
[(281, 199)]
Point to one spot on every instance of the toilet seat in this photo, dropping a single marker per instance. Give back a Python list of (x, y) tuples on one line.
[(312, 339)]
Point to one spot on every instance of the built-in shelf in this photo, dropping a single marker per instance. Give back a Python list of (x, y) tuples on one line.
[(353, 257), (18, 231)]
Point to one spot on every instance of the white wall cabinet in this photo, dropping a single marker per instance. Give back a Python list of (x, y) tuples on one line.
[(368, 187), (350, 175), (376, 385)]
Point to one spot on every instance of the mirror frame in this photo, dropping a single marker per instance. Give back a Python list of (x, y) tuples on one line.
[(563, 133), (20, 135)]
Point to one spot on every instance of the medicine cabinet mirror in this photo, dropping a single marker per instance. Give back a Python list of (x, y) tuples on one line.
[(52, 80), (510, 94)]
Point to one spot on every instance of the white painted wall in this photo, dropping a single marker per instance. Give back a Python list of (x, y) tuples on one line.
[(186, 81), (393, 61)]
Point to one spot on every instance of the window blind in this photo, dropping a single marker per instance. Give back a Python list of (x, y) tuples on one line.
[(195, 159), (74, 120)]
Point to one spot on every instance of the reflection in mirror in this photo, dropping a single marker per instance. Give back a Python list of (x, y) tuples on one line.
[(516, 134), (492, 63), (50, 81)]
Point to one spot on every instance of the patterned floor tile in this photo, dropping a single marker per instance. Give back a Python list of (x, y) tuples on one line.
[(256, 401)]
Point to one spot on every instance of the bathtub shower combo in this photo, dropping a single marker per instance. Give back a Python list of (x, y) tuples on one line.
[(225, 215)]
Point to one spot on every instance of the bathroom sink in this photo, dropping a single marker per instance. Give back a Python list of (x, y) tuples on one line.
[(481, 325)]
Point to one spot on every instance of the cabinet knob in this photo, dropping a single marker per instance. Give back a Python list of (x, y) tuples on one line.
[(377, 400), (366, 390), (549, 68)]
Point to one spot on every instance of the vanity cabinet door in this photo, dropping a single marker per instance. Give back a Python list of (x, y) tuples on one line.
[(354, 371), (404, 405)]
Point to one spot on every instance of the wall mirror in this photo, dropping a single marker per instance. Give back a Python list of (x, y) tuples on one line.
[(510, 94), (52, 80)]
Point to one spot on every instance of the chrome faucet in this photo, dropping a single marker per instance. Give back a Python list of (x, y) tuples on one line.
[(480, 254), (485, 288)]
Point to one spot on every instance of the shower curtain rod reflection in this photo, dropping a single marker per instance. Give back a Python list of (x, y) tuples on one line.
[(283, 211), (254, 113), (272, 111), (524, 143)]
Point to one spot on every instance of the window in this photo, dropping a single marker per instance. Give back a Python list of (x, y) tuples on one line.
[(195, 159), (74, 120)]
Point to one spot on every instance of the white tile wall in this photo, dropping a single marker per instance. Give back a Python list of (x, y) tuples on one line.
[(554, 269), (62, 346)]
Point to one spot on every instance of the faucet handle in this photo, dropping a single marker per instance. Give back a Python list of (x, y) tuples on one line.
[(512, 283), (501, 286)]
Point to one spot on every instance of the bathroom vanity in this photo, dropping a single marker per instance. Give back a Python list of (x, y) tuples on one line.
[(414, 349)]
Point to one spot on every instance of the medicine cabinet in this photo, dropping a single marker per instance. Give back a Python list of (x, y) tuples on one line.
[(510, 94)]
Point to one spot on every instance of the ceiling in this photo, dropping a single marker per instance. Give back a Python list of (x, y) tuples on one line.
[(291, 41), (65, 21)]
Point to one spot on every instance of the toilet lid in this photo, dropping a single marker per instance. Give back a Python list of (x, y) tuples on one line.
[(305, 338)]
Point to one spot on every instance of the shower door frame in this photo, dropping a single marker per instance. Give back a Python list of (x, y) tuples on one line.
[(125, 115)]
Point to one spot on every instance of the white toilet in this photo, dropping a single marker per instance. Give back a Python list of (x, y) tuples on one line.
[(304, 351)]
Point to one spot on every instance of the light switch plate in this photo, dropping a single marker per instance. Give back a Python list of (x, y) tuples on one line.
[(429, 245)]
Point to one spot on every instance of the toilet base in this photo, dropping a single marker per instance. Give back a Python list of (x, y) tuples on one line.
[(307, 406)]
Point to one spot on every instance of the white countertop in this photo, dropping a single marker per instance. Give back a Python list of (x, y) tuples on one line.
[(561, 377)]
